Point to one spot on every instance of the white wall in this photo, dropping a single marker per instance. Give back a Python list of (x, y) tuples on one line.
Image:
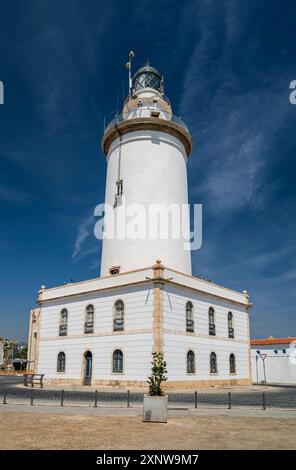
[(135, 341), (178, 342), (278, 367), (153, 169)]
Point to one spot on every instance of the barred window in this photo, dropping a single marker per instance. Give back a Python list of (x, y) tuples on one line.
[(89, 319), (118, 322), (190, 362), (189, 318), (61, 362), (213, 363), (117, 361), (212, 326), (232, 366), (63, 322), (230, 325)]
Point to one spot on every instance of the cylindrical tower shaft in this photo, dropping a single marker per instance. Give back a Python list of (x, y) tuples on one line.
[(146, 185)]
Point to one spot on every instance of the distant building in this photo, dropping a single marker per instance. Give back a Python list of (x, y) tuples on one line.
[(12, 349), (274, 360), (1, 351)]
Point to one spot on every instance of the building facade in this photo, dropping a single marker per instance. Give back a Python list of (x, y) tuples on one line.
[(1, 351), (274, 360), (104, 330)]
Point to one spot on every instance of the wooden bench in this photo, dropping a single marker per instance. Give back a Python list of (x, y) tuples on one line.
[(33, 379)]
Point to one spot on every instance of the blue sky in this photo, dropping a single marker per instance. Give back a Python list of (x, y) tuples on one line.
[(227, 66)]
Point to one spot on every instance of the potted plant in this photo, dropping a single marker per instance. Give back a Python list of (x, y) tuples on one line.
[(156, 402)]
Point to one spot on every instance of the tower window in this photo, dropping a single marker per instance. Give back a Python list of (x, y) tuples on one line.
[(212, 326), (117, 361), (189, 318), (213, 363), (61, 362), (119, 187), (232, 366), (118, 322), (230, 325), (89, 319), (63, 322), (190, 362)]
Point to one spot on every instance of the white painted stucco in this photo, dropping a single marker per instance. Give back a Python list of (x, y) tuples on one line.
[(279, 367), (136, 341), (152, 166)]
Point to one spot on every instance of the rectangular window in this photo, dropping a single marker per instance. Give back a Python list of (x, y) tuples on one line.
[(119, 187)]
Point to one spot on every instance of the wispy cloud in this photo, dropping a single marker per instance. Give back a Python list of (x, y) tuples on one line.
[(14, 195), (84, 231), (233, 124)]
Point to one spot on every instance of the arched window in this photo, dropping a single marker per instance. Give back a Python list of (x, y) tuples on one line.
[(230, 325), (63, 322), (61, 362), (190, 362), (117, 361), (189, 318), (213, 363), (89, 319), (118, 321), (212, 326), (232, 367)]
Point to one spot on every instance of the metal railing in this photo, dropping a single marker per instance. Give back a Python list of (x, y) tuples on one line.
[(88, 327), (124, 117), (230, 332), (63, 330), (212, 329), (189, 326), (127, 399)]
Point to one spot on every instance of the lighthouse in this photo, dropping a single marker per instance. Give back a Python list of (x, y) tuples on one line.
[(102, 331), (146, 149)]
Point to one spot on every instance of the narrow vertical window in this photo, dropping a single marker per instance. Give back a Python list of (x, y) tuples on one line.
[(190, 362), (63, 322), (212, 326), (232, 366), (119, 187), (189, 318), (230, 325), (61, 362), (117, 361), (213, 363), (89, 319), (118, 322)]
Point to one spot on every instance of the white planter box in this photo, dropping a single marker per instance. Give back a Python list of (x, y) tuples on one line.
[(155, 409)]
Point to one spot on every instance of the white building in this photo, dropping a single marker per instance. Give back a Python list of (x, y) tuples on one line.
[(1, 351), (274, 360), (102, 331)]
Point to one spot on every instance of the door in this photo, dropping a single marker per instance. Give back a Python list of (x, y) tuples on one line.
[(87, 368)]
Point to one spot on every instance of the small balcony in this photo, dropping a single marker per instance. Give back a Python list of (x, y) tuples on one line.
[(212, 330), (230, 332), (63, 330), (118, 325), (190, 326)]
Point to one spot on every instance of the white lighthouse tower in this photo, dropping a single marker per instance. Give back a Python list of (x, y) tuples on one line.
[(102, 331), (146, 148)]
